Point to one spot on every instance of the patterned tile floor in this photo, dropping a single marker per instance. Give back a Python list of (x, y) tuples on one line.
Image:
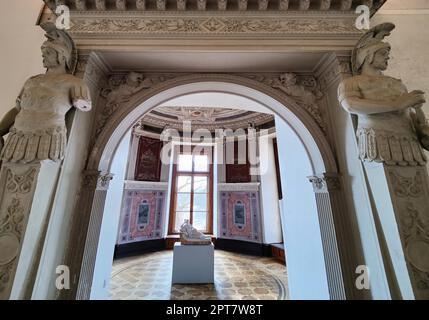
[(237, 277)]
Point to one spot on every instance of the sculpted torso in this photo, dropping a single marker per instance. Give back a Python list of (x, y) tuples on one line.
[(36, 128), (46, 99), (379, 88)]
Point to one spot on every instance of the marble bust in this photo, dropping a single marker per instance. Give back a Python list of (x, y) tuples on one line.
[(36, 126), (392, 128), (190, 235)]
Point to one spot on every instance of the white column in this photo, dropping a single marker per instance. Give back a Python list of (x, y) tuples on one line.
[(110, 224), (301, 230), (271, 223), (102, 182), (132, 157)]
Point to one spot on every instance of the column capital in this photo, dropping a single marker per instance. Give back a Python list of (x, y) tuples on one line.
[(96, 179), (104, 181), (325, 182)]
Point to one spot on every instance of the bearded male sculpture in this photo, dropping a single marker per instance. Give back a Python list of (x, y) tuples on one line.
[(37, 123), (392, 128)]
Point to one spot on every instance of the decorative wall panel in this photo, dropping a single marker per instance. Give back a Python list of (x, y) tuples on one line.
[(143, 215), (240, 216), (148, 165), (238, 172)]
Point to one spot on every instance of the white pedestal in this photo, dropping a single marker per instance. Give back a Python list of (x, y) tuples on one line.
[(193, 263)]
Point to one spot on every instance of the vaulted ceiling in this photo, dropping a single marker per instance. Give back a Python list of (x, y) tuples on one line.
[(205, 118)]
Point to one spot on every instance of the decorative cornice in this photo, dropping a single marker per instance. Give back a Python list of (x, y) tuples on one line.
[(325, 30), (146, 185), (221, 25), (247, 187), (222, 5)]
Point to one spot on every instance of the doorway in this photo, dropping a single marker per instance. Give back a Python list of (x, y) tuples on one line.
[(303, 154)]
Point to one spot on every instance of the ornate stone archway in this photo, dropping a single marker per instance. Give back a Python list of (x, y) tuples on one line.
[(339, 259), (321, 145)]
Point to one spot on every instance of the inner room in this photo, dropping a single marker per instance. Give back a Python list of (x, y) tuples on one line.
[(209, 158)]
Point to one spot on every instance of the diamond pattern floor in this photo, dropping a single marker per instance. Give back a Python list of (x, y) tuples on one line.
[(237, 277)]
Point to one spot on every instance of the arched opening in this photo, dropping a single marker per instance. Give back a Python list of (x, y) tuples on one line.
[(303, 152)]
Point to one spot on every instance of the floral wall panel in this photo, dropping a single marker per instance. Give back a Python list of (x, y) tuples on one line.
[(143, 216), (240, 216)]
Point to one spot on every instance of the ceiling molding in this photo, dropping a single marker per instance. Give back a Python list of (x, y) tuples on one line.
[(284, 6), (403, 12), (204, 118), (299, 28)]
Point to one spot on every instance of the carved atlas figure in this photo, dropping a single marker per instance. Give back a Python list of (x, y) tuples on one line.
[(392, 128), (36, 132), (36, 125)]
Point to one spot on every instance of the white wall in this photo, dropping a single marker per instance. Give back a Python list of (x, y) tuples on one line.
[(301, 230), (109, 227), (272, 230), (20, 55)]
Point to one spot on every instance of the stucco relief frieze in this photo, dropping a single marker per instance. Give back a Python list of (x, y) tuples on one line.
[(413, 223), (303, 89), (405, 187), (120, 89), (210, 25), (20, 183), (416, 240), (304, 92), (13, 220)]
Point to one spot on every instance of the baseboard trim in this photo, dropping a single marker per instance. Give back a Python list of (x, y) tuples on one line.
[(238, 246), (138, 248)]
